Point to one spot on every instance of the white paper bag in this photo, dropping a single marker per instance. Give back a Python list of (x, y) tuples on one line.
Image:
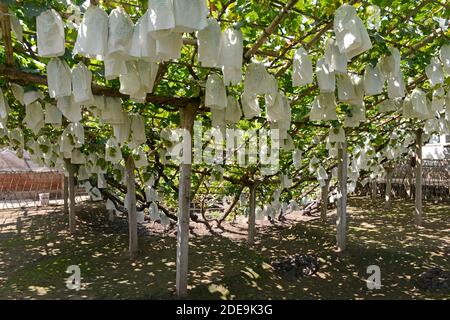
[(81, 83), (231, 49), (373, 80), (161, 18), (190, 15), (113, 153), (209, 44), (59, 78), (325, 77), (120, 32), (351, 35), (215, 94), (50, 34), (52, 114), (250, 105), (444, 54), (334, 58), (323, 108), (92, 39), (302, 73), (233, 111), (435, 72), (169, 47)]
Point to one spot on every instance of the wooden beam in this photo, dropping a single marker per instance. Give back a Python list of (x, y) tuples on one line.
[(419, 179), (184, 200), (23, 77)]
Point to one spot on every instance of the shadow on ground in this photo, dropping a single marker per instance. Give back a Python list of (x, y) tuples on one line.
[(36, 249)]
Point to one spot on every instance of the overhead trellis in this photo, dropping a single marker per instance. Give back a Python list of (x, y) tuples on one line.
[(102, 141)]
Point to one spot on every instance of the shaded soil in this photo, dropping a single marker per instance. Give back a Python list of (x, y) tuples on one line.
[(36, 249)]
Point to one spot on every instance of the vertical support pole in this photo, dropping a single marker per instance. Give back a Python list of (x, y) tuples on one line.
[(409, 180), (131, 206), (252, 216), (419, 209), (71, 191), (66, 194), (5, 25), (187, 115), (374, 189), (324, 200), (341, 219), (388, 194)]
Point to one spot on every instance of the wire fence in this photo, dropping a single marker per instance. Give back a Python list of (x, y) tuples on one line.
[(29, 188), (21, 189), (436, 180)]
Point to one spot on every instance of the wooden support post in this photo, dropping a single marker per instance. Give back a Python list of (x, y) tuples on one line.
[(5, 25), (374, 189), (71, 188), (324, 203), (419, 209), (131, 206), (388, 194), (66, 194), (341, 219), (184, 193), (252, 216)]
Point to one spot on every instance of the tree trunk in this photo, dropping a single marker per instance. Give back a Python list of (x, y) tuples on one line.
[(71, 191), (324, 195), (419, 209), (187, 122), (131, 207), (341, 221), (252, 216), (388, 194), (66, 194)]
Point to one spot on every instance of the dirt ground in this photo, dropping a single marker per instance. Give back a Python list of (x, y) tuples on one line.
[(36, 250)]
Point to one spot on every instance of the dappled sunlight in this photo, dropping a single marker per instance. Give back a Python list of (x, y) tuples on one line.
[(33, 263)]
